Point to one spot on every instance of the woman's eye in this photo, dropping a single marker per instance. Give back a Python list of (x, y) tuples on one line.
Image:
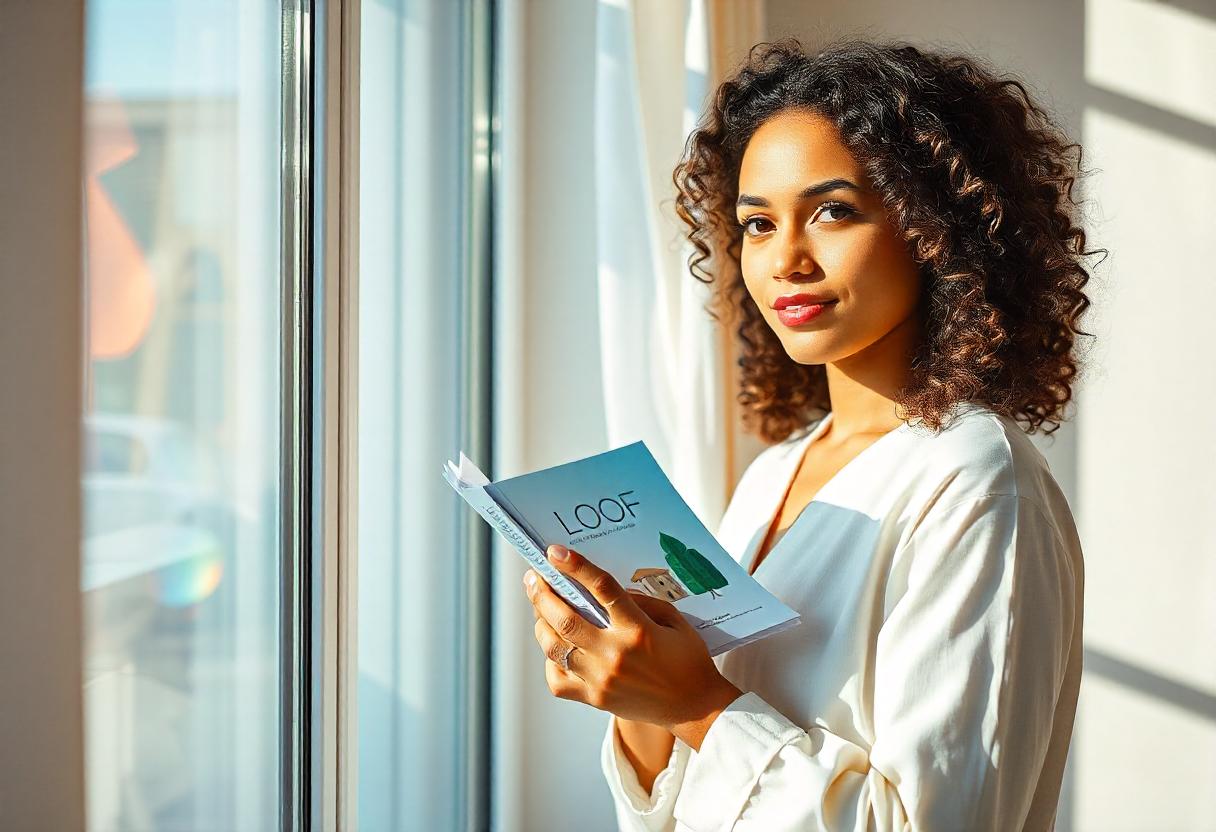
[(835, 211), (747, 223), (829, 207)]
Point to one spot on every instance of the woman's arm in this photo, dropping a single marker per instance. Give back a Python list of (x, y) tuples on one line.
[(646, 747), (642, 808), (968, 673), (644, 765), (637, 758)]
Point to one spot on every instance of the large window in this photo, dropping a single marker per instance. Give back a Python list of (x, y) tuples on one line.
[(181, 557), (225, 324)]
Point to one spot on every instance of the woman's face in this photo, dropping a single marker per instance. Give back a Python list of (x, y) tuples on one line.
[(833, 244)]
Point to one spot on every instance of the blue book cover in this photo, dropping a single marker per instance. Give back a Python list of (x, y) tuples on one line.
[(620, 510)]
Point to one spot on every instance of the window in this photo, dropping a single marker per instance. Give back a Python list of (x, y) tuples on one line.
[(181, 478), (209, 281), (423, 593)]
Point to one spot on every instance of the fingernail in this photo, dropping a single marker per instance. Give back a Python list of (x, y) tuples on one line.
[(530, 580), (559, 552)]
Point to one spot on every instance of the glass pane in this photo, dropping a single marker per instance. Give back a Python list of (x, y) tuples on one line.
[(181, 422), (411, 711)]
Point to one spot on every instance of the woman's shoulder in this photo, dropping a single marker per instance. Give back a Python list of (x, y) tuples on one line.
[(982, 484), (978, 454)]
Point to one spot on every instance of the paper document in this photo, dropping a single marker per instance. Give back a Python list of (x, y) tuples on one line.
[(620, 511)]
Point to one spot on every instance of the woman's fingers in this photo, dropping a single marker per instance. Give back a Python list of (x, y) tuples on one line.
[(622, 611), (564, 685), (553, 646), (563, 618)]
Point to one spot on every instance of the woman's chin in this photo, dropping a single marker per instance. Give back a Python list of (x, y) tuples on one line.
[(810, 351)]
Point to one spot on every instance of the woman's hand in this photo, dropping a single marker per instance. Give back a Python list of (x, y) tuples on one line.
[(648, 665)]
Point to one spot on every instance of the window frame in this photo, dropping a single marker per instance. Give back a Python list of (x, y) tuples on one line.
[(321, 304)]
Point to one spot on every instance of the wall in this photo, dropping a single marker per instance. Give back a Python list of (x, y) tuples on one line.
[(42, 761)]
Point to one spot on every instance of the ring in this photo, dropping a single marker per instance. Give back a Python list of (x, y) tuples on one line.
[(564, 659)]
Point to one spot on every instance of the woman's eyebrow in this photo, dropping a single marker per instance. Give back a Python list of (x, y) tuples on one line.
[(806, 193)]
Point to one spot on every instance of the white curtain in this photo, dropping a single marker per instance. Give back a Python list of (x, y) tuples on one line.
[(667, 367), (563, 66)]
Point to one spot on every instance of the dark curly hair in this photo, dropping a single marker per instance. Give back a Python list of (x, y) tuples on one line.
[(975, 176)]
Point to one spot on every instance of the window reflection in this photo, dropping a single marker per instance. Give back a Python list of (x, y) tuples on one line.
[(181, 429)]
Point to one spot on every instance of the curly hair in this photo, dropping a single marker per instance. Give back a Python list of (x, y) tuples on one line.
[(976, 178)]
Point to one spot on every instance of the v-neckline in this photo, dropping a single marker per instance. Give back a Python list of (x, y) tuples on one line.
[(788, 474)]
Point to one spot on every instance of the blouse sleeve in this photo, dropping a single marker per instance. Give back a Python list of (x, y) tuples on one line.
[(968, 666), (637, 811)]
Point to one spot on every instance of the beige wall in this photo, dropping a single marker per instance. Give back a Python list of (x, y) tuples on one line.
[(1135, 82), (41, 755)]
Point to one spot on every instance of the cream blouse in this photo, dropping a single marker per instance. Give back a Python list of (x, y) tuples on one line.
[(933, 680)]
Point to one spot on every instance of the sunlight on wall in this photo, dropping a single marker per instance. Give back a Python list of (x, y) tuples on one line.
[(1145, 739), (1172, 51)]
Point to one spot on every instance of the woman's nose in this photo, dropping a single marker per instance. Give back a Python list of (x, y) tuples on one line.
[(793, 257)]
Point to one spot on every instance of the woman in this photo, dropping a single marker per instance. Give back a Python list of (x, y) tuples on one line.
[(893, 237)]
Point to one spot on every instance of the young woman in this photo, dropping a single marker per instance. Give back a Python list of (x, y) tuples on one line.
[(891, 232)]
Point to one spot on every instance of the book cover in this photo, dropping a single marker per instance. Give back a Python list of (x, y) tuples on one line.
[(620, 510)]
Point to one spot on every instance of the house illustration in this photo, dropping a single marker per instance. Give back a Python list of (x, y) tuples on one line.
[(659, 583)]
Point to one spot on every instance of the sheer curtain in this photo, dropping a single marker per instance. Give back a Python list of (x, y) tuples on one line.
[(667, 367), (596, 101)]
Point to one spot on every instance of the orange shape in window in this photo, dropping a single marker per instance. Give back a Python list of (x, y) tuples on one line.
[(121, 293)]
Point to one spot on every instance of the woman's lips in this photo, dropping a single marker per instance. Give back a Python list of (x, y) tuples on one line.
[(798, 315)]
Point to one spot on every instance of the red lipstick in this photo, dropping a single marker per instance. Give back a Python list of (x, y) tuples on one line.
[(798, 309)]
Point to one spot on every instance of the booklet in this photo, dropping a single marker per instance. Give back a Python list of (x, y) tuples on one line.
[(620, 511)]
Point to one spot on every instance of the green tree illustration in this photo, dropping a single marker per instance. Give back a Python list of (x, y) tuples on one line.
[(692, 568)]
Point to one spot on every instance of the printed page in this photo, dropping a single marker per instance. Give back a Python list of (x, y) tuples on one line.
[(621, 511)]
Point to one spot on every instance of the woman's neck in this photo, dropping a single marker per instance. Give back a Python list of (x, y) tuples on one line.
[(863, 386)]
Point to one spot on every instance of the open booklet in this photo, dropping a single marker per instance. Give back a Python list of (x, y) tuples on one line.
[(620, 511)]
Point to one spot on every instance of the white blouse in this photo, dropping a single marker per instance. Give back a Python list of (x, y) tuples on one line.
[(933, 680)]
